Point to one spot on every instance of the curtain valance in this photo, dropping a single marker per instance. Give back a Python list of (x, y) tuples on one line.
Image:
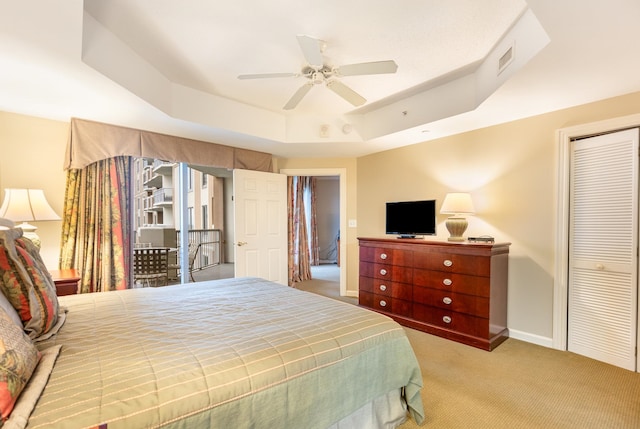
[(93, 141)]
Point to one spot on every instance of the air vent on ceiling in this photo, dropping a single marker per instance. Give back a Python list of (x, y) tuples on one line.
[(506, 59)]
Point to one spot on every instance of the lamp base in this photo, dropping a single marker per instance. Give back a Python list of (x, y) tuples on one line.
[(29, 231), (456, 227)]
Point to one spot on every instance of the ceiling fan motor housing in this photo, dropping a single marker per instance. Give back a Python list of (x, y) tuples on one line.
[(317, 76)]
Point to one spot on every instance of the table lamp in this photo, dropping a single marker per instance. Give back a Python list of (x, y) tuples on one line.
[(27, 205), (457, 203)]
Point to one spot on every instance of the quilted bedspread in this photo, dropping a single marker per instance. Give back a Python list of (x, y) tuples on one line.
[(235, 353)]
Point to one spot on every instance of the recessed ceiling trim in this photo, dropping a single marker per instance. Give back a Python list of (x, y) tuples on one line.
[(458, 92)]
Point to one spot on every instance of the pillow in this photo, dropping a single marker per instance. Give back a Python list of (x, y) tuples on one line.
[(31, 394), (8, 308), (18, 359), (27, 284)]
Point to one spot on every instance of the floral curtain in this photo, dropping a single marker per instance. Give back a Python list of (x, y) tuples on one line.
[(299, 269), (304, 249), (96, 228)]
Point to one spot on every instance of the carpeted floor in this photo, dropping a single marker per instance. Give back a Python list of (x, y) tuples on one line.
[(518, 385), (521, 385)]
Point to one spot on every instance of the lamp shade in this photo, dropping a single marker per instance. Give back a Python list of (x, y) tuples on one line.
[(24, 205), (457, 203)]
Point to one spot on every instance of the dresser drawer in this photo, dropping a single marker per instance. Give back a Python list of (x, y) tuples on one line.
[(452, 263), (384, 255), (460, 303), (386, 272), (459, 322), (386, 288), (385, 303), (453, 282)]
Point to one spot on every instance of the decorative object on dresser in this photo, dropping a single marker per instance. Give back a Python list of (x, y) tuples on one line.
[(454, 290), (457, 204), (66, 281), (26, 205)]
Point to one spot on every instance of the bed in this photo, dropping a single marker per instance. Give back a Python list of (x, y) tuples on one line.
[(234, 353)]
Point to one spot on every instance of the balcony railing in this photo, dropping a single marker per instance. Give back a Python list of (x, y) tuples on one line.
[(162, 167), (163, 196), (210, 241)]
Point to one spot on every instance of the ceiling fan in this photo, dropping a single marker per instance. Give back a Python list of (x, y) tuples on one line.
[(317, 72)]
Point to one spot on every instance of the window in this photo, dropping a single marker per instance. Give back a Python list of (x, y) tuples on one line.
[(204, 180), (205, 217), (190, 180), (190, 217)]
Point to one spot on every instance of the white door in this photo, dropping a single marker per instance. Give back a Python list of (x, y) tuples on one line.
[(603, 242), (260, 213)]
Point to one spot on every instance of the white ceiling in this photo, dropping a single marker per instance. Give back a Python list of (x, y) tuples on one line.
[(172, 66)]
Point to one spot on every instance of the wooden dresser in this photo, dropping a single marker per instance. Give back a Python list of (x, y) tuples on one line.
[(454, 290)]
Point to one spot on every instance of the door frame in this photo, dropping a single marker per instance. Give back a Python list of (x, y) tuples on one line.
[(561, 275), (342, 177)]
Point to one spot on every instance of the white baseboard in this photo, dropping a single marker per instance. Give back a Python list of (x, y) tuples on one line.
[(531, 338)]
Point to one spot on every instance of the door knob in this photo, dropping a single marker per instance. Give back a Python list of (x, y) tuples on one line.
[(242, 243)]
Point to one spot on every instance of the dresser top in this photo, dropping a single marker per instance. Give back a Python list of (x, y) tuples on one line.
[(433, 244)]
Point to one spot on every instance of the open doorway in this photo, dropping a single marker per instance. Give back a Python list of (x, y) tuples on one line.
[(328, 229), (332, 183)]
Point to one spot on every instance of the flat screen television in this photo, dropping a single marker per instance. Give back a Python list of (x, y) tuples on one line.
[(411, 218)]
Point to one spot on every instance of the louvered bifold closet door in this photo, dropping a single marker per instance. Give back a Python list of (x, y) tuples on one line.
[(603, 240)]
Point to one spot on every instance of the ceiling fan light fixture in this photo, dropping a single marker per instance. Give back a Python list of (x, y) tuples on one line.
[(317, 78)]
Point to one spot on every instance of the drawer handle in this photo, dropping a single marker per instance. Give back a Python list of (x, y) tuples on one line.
[(447, 262), (383, 303), (447, 300), (447, 282), (383, 272), (383, 288), (383, 256), (446, 319)]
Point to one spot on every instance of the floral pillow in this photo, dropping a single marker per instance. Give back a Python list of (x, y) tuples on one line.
[(8, 308), (18, 359), (27, 284)]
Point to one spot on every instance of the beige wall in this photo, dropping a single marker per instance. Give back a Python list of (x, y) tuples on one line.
[(328, 215), (511, 172), (31, 156)]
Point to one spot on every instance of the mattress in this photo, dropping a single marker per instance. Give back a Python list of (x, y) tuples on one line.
[(234, 353)]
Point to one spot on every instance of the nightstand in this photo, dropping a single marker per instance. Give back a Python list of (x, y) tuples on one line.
[(66, 281)]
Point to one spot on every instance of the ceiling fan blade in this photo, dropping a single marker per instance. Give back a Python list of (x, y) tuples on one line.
[(345, 92), (298, 96), (266, 75), (312, 50), (375, 67)]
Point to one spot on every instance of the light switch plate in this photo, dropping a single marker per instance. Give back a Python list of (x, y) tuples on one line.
[(353, 223)]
